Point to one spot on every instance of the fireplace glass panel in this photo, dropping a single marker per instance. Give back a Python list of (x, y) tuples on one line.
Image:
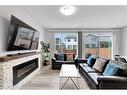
[(23, 70)]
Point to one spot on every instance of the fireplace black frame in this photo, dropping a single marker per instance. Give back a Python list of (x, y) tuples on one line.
[(16, 77)]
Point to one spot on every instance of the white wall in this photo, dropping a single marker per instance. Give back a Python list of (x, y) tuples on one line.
[(50, 39), (123, 42), (4, 25), (19, 12)]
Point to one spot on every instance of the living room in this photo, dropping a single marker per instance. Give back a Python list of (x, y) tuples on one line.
[(59, 47)]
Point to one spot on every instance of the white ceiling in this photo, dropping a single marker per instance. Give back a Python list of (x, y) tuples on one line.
[(85, 16)]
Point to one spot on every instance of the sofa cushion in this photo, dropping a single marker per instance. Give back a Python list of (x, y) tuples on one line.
[(59, 62), (84, 65), (122, 66), (89, 69), (82, 60), (122, 60), (59, 57), (111, 70), (100, 64), (123, 72), (69, 62), (90, 61), (94, 76)]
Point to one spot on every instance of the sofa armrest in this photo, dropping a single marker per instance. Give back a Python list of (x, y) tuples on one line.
[(115, 82), (81, 60), (53, 60), (76, 57)]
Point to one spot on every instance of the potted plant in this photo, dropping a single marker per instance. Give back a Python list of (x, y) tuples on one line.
[(46, 52)]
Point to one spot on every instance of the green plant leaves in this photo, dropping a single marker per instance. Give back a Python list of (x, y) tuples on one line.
[(45, 46)]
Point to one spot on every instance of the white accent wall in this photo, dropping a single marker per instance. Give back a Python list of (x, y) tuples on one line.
[(19, 12)]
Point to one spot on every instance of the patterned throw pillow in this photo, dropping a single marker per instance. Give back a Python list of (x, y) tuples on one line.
[(111, 70), (99, 64)]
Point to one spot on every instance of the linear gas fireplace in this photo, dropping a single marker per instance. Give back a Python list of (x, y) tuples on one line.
[(23, 70)]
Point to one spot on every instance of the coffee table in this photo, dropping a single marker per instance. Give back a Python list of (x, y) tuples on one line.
[(69, 72)]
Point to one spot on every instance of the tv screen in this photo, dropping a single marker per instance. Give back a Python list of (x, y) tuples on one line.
[(35, 40), (22, 36)]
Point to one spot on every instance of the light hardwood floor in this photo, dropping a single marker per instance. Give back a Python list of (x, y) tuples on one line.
[(48, 79)]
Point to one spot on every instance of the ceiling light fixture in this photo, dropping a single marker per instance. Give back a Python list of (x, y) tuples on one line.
[(67, 10)]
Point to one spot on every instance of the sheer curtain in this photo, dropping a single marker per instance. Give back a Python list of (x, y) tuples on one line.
[(116, 43)]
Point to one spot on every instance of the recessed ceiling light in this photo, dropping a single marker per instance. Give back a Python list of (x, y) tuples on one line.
[(67, 10)]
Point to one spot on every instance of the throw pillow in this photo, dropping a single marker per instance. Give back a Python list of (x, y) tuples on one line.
[(69, 57), (60, 57), (111, 70), (87, 55), (90, 61), (100, 64), (122, 66)]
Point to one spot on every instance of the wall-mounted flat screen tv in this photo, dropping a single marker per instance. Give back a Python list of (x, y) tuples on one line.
[(21, 36)]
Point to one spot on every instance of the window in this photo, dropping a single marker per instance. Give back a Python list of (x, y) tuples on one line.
[(93, 39), (93, 45), (75, 40), (74, 47), (69, 47), (86, 45), (68, 40), (64, 42), (99, 44), (57, 40)]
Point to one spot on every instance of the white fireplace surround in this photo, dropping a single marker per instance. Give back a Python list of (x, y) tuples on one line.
[(6, 72)]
